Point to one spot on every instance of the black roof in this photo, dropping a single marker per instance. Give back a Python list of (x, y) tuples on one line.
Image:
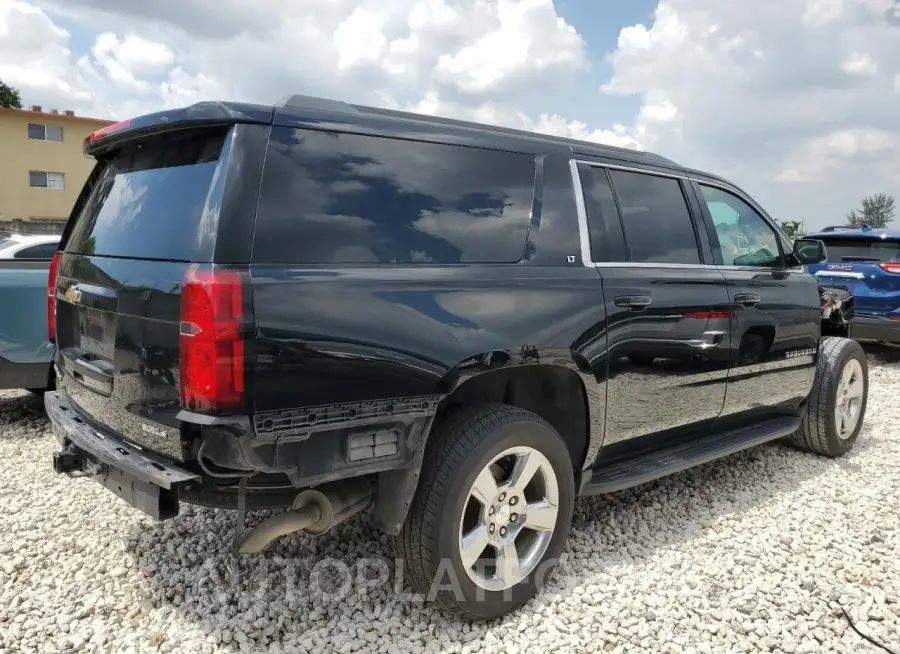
[(299, 105)]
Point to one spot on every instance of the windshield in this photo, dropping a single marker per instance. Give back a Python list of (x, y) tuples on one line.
[(848, 249)]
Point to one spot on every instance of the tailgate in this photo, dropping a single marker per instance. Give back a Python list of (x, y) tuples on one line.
[(150, 216), (869, 267)]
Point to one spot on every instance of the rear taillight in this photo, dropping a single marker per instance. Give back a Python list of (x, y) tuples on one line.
[(51, 296), (211, 341), (891, 267)]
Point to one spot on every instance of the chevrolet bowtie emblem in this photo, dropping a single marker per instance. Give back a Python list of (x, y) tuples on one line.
[(73, 295)]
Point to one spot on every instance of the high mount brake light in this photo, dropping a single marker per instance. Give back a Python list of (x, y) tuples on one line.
[(109, 129)]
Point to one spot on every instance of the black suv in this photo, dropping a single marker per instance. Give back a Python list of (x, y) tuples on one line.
[(331, 308)]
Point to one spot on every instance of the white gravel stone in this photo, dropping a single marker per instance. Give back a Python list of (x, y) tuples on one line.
[(756, 552)]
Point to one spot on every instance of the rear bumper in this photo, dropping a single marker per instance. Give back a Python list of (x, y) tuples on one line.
[(869, 328), (145, 481)]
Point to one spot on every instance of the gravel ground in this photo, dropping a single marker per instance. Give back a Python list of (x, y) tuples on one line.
[(757, 552)]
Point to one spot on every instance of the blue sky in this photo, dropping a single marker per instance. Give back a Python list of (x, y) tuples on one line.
[(599, 23)]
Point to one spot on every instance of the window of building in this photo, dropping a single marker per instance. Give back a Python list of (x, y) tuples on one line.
[(330, 198), (38, 132), (656, 218), (744, 236), (41, 179)]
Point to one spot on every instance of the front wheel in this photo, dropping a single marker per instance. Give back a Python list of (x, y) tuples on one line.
[(837, 403), (491, 513)]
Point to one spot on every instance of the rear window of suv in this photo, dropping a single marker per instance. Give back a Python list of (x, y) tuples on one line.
[(331, 198), (862, 249), (153, 201)]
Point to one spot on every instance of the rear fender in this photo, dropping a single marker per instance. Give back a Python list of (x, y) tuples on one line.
[(515, 376)]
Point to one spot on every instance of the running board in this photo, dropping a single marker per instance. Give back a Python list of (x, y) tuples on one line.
[(653, 465)]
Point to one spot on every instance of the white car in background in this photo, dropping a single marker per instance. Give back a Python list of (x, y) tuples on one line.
[(26, 246)]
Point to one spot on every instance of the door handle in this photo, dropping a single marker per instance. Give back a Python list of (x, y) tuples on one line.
[(747, 299), (634, 302)]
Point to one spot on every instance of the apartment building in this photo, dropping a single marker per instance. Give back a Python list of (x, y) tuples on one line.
[(42, 163)]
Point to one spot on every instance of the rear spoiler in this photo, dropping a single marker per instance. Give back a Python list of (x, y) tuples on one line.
[(202, 114)]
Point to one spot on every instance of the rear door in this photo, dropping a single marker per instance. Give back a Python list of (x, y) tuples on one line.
[(150, 215), (869, 266), (775, 322), (667, 305)]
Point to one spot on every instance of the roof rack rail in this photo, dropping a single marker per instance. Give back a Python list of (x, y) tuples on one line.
[(835, 228), (310, 102)]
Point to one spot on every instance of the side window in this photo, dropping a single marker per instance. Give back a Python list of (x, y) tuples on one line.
[(332, 198), (607, 242), (744, 236), (655, 217), (41, 251)]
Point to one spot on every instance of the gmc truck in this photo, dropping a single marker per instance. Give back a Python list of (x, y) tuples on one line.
[(451, 328)]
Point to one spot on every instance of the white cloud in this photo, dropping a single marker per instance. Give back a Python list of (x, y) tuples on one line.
[(135, 54), (359, 39), (34, 56), (526, 37), (480, 57), (554, 124), (859, 63), (772, 94), (359, 50), (814, 159), (793, 99)]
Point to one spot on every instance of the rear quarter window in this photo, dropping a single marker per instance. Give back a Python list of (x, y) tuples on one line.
[(331, 198), (154, 200)]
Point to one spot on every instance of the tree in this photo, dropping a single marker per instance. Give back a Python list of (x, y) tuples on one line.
[(9, 97), (876, 211), (793, 229)]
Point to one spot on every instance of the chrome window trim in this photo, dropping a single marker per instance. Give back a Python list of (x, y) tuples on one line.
[(629, 169), (584, 229), (584, 232), (644, 264), (694, 266)]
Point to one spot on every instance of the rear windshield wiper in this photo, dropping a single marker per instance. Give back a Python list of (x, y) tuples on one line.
[(852, 258)]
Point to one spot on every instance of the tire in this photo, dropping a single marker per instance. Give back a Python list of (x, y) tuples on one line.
[(442, 509), (819, 431)]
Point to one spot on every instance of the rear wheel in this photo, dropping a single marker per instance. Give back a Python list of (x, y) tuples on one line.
[(837, 403), (491, 513)]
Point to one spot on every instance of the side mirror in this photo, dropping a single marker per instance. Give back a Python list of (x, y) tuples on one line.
[(809, 250)]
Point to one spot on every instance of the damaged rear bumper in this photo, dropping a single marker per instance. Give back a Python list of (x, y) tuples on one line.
[(144, 480)]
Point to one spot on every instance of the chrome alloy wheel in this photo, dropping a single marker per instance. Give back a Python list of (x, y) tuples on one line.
[(849, 400), (508, 518)]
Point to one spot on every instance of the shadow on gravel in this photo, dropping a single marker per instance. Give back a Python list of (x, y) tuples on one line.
[(880, 355), (303, 582), (22, 408)]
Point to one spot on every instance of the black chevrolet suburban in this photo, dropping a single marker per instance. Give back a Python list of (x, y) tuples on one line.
[(455, 328)]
